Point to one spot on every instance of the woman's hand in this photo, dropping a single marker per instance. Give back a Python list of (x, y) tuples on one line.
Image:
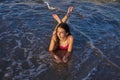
[(65, 59), (54, 33), (57, 59)]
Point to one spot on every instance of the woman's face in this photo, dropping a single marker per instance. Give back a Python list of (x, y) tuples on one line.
[(61, 33)]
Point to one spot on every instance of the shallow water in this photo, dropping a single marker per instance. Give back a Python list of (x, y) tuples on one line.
[(25, 31)]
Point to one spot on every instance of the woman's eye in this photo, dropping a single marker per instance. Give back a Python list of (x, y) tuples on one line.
[(61, 32)]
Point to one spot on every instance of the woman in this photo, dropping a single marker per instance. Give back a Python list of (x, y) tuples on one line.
[(61, 39)]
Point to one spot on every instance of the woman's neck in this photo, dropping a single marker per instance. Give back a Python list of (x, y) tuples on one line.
[(63, 39)]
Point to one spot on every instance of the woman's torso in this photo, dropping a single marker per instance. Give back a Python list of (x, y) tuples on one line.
[(63, 45)]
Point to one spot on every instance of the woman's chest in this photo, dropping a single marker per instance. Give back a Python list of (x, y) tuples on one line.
[(63, 43)]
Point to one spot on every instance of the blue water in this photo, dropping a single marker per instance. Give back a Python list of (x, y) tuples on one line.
[(25, 31)]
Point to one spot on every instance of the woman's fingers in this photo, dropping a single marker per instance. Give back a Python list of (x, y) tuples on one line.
[(57, 59), (54, 32), (65, 60)]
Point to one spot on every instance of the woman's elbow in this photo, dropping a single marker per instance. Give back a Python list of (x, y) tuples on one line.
[(49, 50)]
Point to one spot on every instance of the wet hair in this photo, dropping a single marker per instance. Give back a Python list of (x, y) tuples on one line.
[(65, 27), (67, 30)]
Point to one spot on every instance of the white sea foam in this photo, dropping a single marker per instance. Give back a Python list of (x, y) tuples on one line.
[(92, 72), (49, 7)]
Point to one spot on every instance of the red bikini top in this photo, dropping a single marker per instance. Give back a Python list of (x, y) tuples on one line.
[(63, 47)]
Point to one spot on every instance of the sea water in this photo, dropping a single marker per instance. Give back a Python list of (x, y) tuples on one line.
[(26, 27)]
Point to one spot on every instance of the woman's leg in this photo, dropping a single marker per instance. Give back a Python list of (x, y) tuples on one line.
[(65, 18), (56, 17)]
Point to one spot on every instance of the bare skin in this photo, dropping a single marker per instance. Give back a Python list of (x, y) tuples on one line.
[(65, 18), (62, 36)]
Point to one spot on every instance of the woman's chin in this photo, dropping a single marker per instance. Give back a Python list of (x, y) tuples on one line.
[(59, 37)]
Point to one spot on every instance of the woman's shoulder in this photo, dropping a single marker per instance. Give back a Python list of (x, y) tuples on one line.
[(70, 38)]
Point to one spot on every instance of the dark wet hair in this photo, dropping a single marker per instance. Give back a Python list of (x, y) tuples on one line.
[(65, 27), (67, 30)]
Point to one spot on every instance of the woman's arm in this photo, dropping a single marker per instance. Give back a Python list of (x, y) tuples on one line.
[(52, 44), (51, 50), (68, 53), (52, 47), (70, 47)]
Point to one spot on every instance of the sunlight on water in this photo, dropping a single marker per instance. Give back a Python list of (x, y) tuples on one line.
[(25, 31)]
